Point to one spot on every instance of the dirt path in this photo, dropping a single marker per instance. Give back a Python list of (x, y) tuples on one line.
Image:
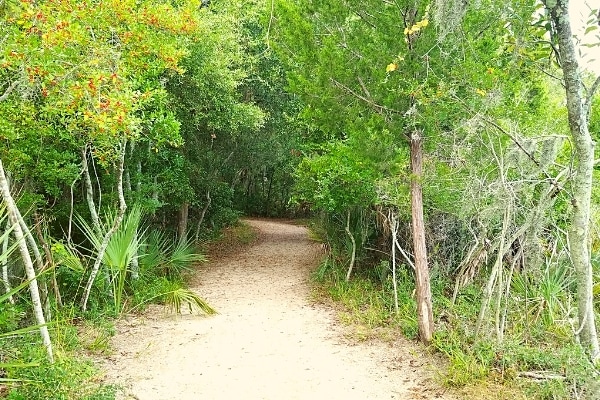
[(269, 340)]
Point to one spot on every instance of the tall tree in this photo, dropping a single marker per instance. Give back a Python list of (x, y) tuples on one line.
[(579, 102)]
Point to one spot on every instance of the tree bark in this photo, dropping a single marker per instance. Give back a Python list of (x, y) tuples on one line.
[(353, 258), (89, 190), (583, 161), (49, 259), (202, 215), (184, 211), (113, 229), (27, 262), (5, 278), (423, 288)]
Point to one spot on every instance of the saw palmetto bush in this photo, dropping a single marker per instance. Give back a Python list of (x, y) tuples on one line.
[(163, 263), (123, 248), (163, 256)]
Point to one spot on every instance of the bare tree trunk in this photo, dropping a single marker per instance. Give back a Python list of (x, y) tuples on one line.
[(113, 229), (184, 211), (423, 288), (29, 270), (5, 278), (578, 107), (496, 272), (353, 258), (202, 214), (394, 228), (43, 287), (89, 190), (48, 253)]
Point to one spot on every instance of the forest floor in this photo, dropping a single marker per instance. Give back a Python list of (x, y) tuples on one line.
[(272, 339)]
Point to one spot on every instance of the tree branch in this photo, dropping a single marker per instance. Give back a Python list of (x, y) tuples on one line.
[(592, 91), (9, 90), (378, 107)]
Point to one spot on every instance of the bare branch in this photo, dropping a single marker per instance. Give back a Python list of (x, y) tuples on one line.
[(510, 136), (364, 88), (592, 91), (9, 90), (378, 107)]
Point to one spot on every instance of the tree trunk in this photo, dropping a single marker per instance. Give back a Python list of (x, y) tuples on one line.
[(583, 161), (202, 215), (89, 190), (27, 262), (353, 258), (423, 289), (184, 211), (48, 253), (5, 278), (394, 229), (113, 229)]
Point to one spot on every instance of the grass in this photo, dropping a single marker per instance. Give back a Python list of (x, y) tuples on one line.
[(537, 339), (232, 239)]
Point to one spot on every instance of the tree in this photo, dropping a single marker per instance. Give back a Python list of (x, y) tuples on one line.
[(579, 103)]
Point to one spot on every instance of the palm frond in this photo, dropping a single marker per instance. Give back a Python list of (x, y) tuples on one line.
[(181, 296)]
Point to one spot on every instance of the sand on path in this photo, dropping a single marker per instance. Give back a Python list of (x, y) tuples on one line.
[(269, 340)]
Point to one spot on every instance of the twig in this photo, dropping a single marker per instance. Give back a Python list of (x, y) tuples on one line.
[(541, 375), (510, 136), (376, 106), (592, 91), (9, 90)]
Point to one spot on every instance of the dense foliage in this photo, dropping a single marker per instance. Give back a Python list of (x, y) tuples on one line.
[(132, 130)]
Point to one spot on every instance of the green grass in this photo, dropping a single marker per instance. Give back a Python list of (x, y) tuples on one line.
[(537, 337)]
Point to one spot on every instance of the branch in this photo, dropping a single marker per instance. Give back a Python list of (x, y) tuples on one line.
[(559, 79), (504, 131), (8, 90), (378, 107), (540, 375), (364, 88), (592, 91)]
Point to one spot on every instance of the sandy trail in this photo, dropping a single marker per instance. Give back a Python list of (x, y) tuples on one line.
[(269, 341)]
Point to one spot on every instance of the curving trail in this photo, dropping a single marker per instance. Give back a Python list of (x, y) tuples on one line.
[(269, 341)]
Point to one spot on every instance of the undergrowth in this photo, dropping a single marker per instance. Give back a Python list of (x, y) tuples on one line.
[(537, 358)]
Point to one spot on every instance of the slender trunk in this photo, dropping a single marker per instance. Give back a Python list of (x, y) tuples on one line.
[(89, 190), (423, 288), (38, 260), (353, 257), (135, 266), (583, 161), (394, 225), (113, 229), (138, 177), (127, 181), (184, 211), (48, 254), (268, 199), (27, 262), (154, 195), (5, 278), (202, 214), (496, 270)]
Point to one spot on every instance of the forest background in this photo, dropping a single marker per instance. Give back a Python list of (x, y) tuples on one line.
[(444, 149)]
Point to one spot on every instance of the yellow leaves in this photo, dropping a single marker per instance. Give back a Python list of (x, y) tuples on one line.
[(481, 92), (417, 27), (391, 67)]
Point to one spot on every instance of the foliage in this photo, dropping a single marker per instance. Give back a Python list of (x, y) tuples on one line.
[(122, 248)]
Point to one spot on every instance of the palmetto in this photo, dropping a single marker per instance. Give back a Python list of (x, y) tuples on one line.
[(123, 247)]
